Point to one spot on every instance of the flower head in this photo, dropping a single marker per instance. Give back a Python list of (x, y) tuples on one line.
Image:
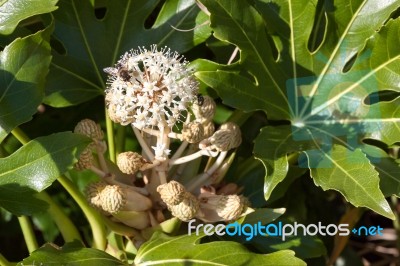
[(149, 88)]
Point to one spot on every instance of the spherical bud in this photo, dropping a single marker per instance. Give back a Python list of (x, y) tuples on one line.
[(193, 132), (222, 207), (226, 138), (209, 129), (186, 209), (204, 109), (93, 193), (171, 193), (112, 199), (90, 129), (130, 162), (230, 207), (85, 160)]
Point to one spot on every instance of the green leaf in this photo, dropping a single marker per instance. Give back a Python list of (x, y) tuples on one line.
[(14, 11), (70, 254), (304, 246), (91, 44), (352, 174), (321, 72), (263, 215), (166, 250), (23, 67), (34, 167)]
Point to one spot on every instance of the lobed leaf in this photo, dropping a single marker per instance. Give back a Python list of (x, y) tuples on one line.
[(318, 65)]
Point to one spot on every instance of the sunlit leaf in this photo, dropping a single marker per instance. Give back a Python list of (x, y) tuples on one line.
[(70, 254), (14, 11), (23, 67), (186, 249), (34, 167), (320, 72)]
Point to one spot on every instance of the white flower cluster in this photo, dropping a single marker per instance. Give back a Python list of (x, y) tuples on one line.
[(150, 88)]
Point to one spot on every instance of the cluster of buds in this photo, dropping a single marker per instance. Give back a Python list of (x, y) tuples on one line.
[(155, 93), (207, 206)]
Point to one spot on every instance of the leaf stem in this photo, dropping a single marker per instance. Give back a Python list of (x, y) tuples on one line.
[(110, 137), (5, 262), (67, 228), (24, 222), (20, 135), (121, 133), (94, 218), (29, 234)]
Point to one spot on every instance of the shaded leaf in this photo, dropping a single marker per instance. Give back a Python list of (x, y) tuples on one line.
[(14, 11), (186, 249), (91, 44), (34, 167), (70, 254), (23, 67)]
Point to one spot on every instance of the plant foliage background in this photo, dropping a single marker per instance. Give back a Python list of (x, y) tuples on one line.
[(314, 86)]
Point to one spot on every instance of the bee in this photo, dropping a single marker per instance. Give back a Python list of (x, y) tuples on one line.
[(200, 99), (119, 71)]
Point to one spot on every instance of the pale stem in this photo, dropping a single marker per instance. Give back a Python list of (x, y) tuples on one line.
[(180, 150), (193, 156), (100, 155), (233, 55), (163, 140), (143, 144), (203, 178), (111, 180), (156, 133), (149, 166), (98, 171), (182, 167)]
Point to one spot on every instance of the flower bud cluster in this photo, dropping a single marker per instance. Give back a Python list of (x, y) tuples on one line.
[(155, 92), (208, 207)]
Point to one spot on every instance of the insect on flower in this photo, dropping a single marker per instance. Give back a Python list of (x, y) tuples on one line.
[(200, 99), (150, 88), (122, 72)]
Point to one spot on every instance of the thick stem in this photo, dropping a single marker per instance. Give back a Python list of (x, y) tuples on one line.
[(65, 225), (94, 218), (20, 135), (110, 138), (5, 262), (24, 222), (121, 135), (180, 150), (100, 156), (29, 234), (192, 156)]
